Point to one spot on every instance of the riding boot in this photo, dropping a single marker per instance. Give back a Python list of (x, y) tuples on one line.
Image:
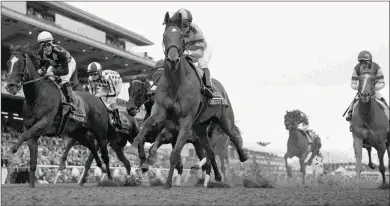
[(208, 84), (384, 101), (349, 115), (117, 118), (68, 93)]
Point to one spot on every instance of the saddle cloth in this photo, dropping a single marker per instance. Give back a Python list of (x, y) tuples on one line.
[(79, 112)]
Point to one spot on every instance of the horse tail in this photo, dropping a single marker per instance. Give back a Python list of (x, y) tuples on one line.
[(318, 146)]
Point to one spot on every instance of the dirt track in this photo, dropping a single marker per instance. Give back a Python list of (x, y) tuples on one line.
[(72, 194)]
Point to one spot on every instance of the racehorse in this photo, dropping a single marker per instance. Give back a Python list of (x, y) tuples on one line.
[(45, 111), (298, 144), (369, 124), (179, 96), (130, 130), (140, 94)]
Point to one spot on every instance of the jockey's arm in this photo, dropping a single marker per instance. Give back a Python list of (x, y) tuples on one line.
[(111, 86), (355, 78), (303, 126), (197, 54), (61, 68), (380, 80)]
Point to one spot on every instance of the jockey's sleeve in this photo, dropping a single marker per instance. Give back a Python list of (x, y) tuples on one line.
[(355, 78), (380, 80), (62, 67), (111, 85), (42, 62)]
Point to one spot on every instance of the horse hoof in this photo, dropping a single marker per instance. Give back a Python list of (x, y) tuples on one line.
[(384, 186), (195, 167), (167, 186), (103, 168), (244, 158), (144, 167), (62, 166), (372, 166), (218, 178), (14, 150)]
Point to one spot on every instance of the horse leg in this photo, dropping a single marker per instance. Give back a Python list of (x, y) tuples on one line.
[(121, 156), (381, 149), (185, 128), (88, 141), (303, 167), (179, 168), (157, 118), (65, 155), (288, 169), (201, 132), (230, 129), (388, 154), (33, 146), (105, 157), (223, 168), (368, 148), (87, 166), (358, 146), (36, 130)]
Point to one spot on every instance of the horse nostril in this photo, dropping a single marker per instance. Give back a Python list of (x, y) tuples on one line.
[(177, 60)]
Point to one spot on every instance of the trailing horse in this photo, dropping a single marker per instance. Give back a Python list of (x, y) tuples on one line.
[(370, 125), (179, 96), (298, 144), (130, 129), (46, 112)]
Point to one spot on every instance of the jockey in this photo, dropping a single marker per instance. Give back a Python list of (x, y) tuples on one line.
[(55, 60), (304, 126), (196, 47), (105, 84), (366, 64)]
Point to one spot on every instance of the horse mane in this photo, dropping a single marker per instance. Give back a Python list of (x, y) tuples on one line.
[(298, 116)]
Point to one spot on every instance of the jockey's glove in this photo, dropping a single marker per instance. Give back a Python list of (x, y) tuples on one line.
[(187, 53)]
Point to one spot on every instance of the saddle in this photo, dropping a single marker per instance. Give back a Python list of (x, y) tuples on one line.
[(78, 113)]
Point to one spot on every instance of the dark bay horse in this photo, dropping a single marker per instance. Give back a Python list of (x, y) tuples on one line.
[(298, 144), (140, 94), (117, 144), (369, 124), (43, 110), (178, 95)]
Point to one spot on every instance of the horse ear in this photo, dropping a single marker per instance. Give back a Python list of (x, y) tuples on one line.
[(11, 48), (26, 46), (286, 112), (166, 18), (179, 19)]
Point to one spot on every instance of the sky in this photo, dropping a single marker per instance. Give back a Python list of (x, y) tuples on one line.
[(275, 56)]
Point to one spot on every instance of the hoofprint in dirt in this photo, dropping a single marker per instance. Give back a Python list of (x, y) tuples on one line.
[(90, 194)]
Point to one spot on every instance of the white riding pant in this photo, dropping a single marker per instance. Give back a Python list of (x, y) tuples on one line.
[(204, 61)]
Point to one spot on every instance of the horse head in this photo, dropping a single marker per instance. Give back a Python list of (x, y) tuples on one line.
[(293, 118), (173, 41), (366, 90), (20, 68), (138, 95)]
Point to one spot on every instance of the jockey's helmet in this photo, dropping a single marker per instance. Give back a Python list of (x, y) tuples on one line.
[(45, 36), (94, 69), (186, 15), (364, 56), (45, 39)]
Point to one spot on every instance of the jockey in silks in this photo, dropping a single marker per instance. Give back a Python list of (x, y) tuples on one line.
[(196, 47), (107, 86), (366, 65), (55, 60), (310, 134)]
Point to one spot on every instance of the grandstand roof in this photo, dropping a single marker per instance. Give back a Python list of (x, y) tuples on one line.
[(21, 29), (92, 19)]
